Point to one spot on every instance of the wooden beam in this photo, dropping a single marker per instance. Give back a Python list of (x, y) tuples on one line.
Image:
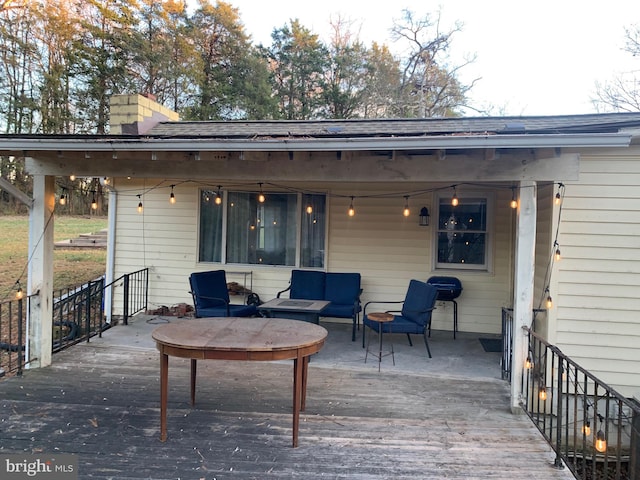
[(40, 281), (22, 197), (523, 285), (323, 166)]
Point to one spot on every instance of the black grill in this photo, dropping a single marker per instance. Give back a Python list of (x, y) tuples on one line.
[(449, 288)]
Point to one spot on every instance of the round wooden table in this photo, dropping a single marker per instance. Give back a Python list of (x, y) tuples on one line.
[(236, 338), (380, 318)]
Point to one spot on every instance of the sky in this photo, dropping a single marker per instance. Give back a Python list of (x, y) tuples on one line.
[(538, 57)]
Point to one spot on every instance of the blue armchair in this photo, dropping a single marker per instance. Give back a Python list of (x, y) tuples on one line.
[(342, 290), (211, 296), (415, 316)]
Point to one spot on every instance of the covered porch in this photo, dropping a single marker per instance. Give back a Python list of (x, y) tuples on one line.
[(445, 417)]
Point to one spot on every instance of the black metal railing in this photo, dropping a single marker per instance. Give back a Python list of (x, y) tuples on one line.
[(78, 314), (507, 339), (593, 429)]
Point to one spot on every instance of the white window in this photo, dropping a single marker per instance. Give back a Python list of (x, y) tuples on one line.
[(286, 229), (462, 234)]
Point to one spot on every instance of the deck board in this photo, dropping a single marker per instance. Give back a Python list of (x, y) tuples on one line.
[(101, 402)]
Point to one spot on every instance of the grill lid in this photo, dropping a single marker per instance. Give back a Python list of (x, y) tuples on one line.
[(449, 288)]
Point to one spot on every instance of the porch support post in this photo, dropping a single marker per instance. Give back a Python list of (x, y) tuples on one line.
[(523, 285), (40, 282)]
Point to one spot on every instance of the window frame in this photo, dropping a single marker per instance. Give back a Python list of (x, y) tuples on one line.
[(487, 266), (299, 215)]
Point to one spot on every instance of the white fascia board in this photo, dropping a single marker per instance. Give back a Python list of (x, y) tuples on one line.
[(600, 140)]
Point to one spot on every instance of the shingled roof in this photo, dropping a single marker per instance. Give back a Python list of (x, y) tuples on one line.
[(593, 123)]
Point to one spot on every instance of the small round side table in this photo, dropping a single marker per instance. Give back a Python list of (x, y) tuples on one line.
[(380, 318)]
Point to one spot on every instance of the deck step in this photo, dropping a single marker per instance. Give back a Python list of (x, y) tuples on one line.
[(85, 240)]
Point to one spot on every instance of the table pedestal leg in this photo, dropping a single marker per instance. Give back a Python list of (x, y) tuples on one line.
[(299, 392), (164, 380), (194, 364)]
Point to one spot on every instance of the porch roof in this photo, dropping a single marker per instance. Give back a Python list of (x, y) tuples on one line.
[(594, 130)]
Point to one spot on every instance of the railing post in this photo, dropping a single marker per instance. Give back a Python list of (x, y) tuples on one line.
[(634, 461), (558, 398), (88, 310), (126, 300), (20, 338)]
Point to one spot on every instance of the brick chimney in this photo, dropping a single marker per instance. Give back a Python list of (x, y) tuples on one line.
[(137, 114)]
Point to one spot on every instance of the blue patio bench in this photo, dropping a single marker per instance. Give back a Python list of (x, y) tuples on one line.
[(342, 290)]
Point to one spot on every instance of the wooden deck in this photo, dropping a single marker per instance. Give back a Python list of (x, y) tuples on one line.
[(100, 401)]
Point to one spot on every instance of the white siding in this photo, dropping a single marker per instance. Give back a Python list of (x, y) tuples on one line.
[(598, 278), (387, 248)]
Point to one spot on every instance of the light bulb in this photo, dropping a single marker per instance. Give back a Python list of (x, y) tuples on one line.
[(19, 293), (558, 199), (514, 203), (557, 255), (549, 302), (218, 199), (309, 209), (72, 177), (63, 199), (586, 428), (352, 211), (94, 204), (528, 363), (454, 200), (601, 442), (542, 393), (406, 212)]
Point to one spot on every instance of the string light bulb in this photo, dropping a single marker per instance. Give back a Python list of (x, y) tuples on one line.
[(601, 442), (406, 212), (586, 428), (261, 197), (140, 207), (72, 177), (557, 254), (63, 199), (549, 302), (514, 200), (528, 363), (94, 203), (19, 292), (542, 393), (352, 211), (172, 196), (218, 199), (309, 209), (454, 199)]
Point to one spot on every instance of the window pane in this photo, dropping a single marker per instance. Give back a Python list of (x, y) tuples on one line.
[(261, 233), (210, 229), (462, 236), (313, 230)]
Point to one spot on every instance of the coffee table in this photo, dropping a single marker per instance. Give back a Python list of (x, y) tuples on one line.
[(298, 309), (235, 338)]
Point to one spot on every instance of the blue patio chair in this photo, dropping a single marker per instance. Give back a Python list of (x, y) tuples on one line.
[(415, 316), (211, 296)]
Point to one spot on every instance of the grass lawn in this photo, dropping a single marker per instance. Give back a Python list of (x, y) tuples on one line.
[(71, 267)]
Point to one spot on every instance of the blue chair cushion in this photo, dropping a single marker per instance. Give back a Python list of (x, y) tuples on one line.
[(234, 311), (399, 324), (208, 287), (342, 289), (307, 285), (340, 311)]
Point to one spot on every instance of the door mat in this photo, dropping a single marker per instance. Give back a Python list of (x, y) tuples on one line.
[(491, 344)]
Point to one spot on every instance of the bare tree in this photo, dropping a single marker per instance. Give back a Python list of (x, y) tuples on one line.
[(622, 93), (429, 85)]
